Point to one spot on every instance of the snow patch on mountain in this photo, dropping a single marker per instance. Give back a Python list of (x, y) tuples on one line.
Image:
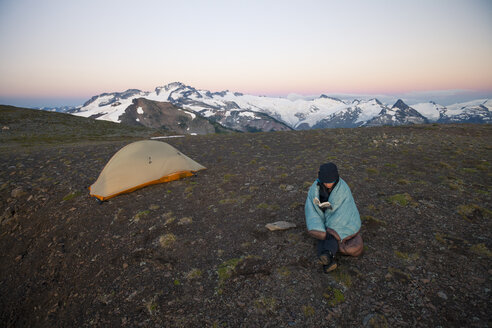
[(431, 110)]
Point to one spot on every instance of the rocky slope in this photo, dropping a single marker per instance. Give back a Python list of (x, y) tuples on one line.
[(165, 116)]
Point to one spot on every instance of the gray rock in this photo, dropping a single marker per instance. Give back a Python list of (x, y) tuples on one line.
[(442, 295), (17, 192), (366, 319), (280, 225)]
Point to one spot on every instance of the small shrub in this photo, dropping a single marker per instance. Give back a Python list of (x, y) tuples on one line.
[(185, 220), (342, 277), (308, 310), (152, 305), (472, 212), (399, 275), (167, 240), (246, 244), (400, 199), (140, 215), (169, 220), (154, 207), (194, 274), (295, 205), (372, 170), (483, 166), (378, 321), (307, 184), (228, 177), (284, 271), (228, 201), (456, 184), (445, 165), (406, 256), (266, 206), (268, 304), (481, 249), (372, 220), (253, 188)]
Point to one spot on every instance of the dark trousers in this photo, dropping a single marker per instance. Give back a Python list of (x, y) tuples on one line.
[(329, 245)]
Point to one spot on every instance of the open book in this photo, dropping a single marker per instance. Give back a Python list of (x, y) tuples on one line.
[(321, 205)]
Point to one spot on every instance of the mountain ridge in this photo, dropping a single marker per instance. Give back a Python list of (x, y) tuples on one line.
[(241, 111)]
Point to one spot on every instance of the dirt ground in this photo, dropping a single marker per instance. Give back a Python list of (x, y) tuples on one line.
[(196, 253)]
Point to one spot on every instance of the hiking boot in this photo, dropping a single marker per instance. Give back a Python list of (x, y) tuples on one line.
[(324, 258), (330, 267), (328, 262)]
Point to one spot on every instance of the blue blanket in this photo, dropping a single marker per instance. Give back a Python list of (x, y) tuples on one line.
[(343, 216)]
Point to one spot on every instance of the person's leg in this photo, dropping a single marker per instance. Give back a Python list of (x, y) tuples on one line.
[(329, 245), (327, 250)]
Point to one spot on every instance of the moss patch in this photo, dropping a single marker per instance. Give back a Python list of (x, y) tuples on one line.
[(400, 199), (72, 195), (225, 269), (140, 215), (334, 296)]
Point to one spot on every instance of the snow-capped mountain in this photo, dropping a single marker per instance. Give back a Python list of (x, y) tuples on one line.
[(258, 113), (477, 111), (399, 114)]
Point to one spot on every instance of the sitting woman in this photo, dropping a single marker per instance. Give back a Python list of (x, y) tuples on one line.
[(332, 217)]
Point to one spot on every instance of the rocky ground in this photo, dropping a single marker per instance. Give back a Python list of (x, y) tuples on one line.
[(196, 253)]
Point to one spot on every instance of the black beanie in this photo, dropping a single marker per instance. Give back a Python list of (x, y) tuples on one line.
[(328, 173)]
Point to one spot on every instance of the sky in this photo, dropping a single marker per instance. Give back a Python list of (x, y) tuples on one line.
[(59, 52)]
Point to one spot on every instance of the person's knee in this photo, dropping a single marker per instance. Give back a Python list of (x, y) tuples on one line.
[(321, 235), (353, 246)]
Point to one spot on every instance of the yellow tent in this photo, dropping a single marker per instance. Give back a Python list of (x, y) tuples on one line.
[(140, 164)]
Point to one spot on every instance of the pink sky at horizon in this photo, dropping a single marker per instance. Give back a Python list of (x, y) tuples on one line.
[(78, 49)]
